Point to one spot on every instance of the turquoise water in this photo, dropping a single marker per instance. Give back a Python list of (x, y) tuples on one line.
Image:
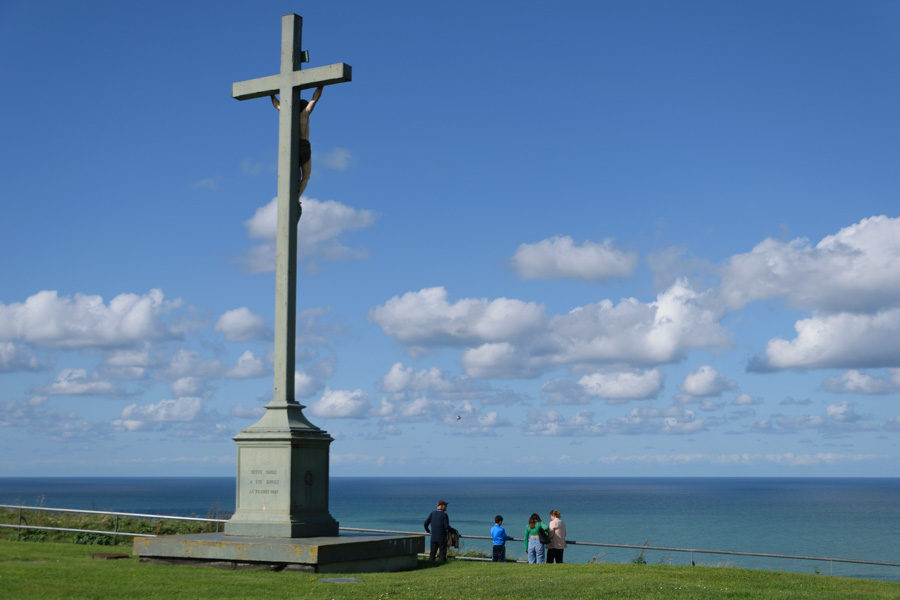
[(842, 518)]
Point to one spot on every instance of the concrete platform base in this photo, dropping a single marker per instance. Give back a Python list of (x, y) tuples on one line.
[(345, 553)]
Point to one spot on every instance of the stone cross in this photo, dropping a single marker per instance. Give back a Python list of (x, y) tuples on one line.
[(282, 461), (288, 83)]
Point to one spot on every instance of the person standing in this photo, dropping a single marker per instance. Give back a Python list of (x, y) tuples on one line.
[(498, 534), (533, 546), (557, 538), (438, 525)]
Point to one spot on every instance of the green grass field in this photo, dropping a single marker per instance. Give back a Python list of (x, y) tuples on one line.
[(56, 570)]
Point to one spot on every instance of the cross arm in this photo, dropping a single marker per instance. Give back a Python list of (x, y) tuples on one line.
[(305, 79)]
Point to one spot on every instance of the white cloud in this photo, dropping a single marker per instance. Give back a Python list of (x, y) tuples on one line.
[(854, 382), (305, 384), (248, 412), (555, 424), (426, 318), (841, 340), (646, 419), (187, 386), (77, 382), (508, 338), (838, 420), (401, 379), (240, 325), (855, 270), (149, 416), (187, 363), (484, 424), (320, 229), (17, 358), (746, 400), (338, 159), (58, 426), (623, 385), (562, 391), (500, 361), (807, 460), (706, 382), (45, 319), (337, 404), (248, 365), (559, 258)]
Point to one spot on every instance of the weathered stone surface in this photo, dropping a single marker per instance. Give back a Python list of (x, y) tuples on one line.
[(346, 553)]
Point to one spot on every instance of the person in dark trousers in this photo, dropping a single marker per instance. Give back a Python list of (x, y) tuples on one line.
[(498, 534), (438, 525), (557, 538)]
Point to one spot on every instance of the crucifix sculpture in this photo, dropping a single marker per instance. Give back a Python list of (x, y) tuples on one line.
[(288, 83), (282, 484)]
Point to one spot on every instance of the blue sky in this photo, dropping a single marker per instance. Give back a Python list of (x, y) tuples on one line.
[(583, 238)]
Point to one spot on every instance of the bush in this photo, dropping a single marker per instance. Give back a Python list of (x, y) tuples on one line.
[(33, 535), (92, 539)]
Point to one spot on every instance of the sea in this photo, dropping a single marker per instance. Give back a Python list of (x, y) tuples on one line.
[(849, 518)]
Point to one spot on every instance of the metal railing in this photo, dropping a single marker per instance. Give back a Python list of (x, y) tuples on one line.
[(115, 533), (692, 551)]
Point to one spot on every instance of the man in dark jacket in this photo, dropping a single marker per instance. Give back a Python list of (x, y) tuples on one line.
[(438, 524)]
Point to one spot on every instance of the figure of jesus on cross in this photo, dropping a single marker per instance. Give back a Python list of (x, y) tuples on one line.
[(293, 175), (305, 158)]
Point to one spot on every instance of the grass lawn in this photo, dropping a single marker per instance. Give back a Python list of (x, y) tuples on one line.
[(55, 570)]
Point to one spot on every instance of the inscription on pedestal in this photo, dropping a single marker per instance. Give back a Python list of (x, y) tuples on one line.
[(261, 482), (261, 487)]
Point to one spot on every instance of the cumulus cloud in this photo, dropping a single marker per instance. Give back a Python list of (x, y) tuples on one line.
[(838, 420), (248, 412), (81, 321), (39, 419), (248, 365), (644, 419), (706, 382), (402, 379), (77, 382), (341, 404), (508, 338), (623, 385), (856, 270), (129, 363), (17, 358), (560, 258), (843, 340), (854, 382), (555, 424), (152, 416), (240, 325), (320, 230), (305, 385), (746, 400), (187, 363), (425, 318), (563, 391)]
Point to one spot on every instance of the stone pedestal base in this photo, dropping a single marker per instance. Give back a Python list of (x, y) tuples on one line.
[(346, 553)]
